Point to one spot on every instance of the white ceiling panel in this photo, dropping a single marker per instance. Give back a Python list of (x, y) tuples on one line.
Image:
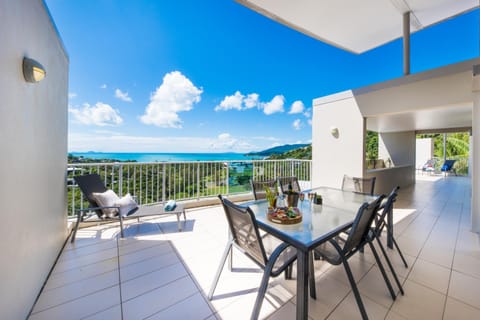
[(357, 25)]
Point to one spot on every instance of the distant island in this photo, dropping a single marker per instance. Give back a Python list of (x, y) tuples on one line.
[(81, 159), (288, 151)]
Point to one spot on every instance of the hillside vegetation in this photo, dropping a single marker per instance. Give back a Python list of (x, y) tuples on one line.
[(279, 150), (304, 153)]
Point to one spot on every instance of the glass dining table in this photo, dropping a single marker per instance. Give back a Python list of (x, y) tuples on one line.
[(319, 224)]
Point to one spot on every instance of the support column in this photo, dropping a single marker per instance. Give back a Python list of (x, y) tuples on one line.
[(470, 153), (406, 43), (444, 147), (475, 150)]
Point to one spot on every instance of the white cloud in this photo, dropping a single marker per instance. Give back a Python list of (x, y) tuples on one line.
[(101, 114), (296, 107), (117, 142), (309, 122), (224, 141), (274, 106), (72, 95), (103, 86), (238, 101), (297, 124), (122, 95), (251, 100), (176, 94), (231, 102)]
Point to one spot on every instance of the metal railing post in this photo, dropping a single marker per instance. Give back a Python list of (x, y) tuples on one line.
[(198, 181), (120, 180), (228, 178), (164, 179)]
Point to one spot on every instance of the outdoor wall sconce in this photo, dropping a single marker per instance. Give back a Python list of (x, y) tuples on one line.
[(32, 70), (334, 132)]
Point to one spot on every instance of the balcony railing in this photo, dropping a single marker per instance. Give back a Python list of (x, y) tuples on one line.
[(161, 181)]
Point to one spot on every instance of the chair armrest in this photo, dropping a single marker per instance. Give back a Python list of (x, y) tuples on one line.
[(96, 208)]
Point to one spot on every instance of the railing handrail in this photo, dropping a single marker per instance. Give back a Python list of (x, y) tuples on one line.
[(181, 162)]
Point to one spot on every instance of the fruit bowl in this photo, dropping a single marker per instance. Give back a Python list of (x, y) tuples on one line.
[(285, 215)]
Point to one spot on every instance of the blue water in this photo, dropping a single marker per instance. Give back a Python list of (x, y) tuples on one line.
[(166, 157)]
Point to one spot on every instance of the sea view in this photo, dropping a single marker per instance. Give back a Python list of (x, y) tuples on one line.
[(165, 157)]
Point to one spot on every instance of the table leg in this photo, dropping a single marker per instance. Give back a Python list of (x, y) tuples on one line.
[(302, 284)]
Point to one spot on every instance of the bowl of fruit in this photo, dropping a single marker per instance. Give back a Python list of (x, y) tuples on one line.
[(285, 215)]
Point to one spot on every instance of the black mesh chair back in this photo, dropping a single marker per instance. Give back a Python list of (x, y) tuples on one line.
[(387, 208), (285, 182), (244, 231), (360, 185), (382, 219), (258, 188), (361, 225), (89, 184)]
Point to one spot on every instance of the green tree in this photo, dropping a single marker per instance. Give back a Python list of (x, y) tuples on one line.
[(371, 145)]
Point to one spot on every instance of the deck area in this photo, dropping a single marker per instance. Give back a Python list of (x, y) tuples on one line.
[(156, 272)]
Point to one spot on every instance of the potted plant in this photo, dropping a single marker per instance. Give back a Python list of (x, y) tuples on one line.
[(317, 199), (271, 195)]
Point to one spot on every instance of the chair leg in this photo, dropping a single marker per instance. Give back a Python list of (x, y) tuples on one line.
[(289, 272), (79, 219), (262, 289), (390, 266), (356, 293), (178, 221), (400, 253), (382, 270), (121, 225), (228, 250)]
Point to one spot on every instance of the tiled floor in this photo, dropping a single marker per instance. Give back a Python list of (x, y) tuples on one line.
[(157, 272)]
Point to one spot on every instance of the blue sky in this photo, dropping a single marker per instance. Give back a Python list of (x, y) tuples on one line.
[(214, 76)]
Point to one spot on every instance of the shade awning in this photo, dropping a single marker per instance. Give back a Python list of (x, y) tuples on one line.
[(355, 25)]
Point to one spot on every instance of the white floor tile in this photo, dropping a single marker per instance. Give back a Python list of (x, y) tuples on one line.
[(465, 288), (83, 307), (430, 275), (193, 307), (419, 302), (151, 281), (159, 299), (456, 310)]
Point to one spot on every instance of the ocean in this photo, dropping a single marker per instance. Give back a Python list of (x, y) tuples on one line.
[(166, 157)]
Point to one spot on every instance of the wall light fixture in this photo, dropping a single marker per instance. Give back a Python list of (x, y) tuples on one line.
[(33, 71)]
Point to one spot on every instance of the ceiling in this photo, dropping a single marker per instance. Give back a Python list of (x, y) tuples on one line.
[(358, 25), (434, 120)]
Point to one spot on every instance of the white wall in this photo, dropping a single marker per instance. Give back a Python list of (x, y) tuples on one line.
[(398, 146), (332, 157), (424, 151), (33, 144)]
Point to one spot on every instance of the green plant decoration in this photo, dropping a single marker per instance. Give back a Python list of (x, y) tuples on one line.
[(271, 195)]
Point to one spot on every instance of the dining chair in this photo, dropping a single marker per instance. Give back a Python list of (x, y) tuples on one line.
[(271, 254), (376, 232), (338, 250), (360, 185), (286, 183), (258, 188), (384, 220)]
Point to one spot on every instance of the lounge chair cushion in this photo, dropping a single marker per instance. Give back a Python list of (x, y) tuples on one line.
[(126, 204), (107, 199)]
